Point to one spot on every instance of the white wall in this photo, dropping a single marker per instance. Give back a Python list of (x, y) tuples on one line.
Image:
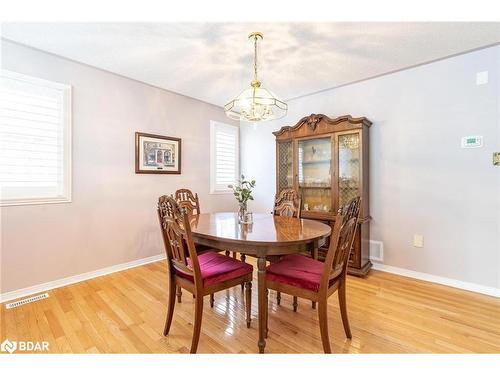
[(112, 218), (421, 180)]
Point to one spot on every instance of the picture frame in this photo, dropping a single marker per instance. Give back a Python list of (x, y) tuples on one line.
[(157, 154)]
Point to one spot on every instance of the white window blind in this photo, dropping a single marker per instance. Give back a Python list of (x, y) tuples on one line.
[(35, 140), (224, 152)]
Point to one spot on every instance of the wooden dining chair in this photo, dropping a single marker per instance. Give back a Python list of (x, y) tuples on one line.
[(287, 203), (311, 279), (188, 201), (191, 204), (351, 209), (201, 275)]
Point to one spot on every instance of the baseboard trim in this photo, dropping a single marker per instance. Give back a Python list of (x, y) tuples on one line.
[(482, 289), (9, 296), (15, 294)]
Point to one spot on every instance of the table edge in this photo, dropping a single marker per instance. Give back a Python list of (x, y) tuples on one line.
[(261, 243)]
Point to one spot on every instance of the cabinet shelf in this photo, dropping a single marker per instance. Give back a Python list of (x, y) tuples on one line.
[(316, 161), (315, 187)]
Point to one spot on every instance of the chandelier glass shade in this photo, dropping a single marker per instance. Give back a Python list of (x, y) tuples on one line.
[(255, 103)]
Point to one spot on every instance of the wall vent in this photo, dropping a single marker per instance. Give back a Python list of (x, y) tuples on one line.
[(377, 251), (26, 301)]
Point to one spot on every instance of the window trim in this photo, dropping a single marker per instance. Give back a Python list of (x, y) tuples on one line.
[(213, 125), (66, 90)]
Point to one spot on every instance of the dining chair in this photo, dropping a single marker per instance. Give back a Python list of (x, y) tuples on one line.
[(200, 274), (287, 203), (311, 279), (351, 209), (187, 200), (191, 204)]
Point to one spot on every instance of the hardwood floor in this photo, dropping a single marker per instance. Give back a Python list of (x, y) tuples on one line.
[(125, 312)]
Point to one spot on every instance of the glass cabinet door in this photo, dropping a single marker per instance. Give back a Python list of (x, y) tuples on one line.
[(285, 165), (314, 168), (349, 167)]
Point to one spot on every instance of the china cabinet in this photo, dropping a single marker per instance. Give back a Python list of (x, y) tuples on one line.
[(326, 161)]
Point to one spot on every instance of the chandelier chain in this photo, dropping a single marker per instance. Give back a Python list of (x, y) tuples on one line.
[(255, 59)]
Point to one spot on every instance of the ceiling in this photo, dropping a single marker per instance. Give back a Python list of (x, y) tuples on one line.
[(213, 61)]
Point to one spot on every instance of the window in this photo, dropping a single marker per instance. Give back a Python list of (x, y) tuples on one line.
[(224, 161), (35, 140)]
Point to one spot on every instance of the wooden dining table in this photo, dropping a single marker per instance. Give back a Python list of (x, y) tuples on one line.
[(268, 235)]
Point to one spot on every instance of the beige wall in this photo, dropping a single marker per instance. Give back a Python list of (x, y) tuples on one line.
[(421, 182), (112, 218)]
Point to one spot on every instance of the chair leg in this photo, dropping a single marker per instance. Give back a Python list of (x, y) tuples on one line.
[(170, 308), (234, 254), (278, 298), (343, 309), (243, 258), (323, 326), (179, 294), (267, 312), (295, 303), (314, 255), (198, 313), (227, 253), (248, 301), (212, 300)]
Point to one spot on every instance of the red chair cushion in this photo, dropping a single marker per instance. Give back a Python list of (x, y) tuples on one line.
[(217, 268), (296, 270)]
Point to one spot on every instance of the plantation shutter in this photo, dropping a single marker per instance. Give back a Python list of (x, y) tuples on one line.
[(35, 140), (224, 156)]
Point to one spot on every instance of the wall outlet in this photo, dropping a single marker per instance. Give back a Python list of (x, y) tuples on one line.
[(482, 78), (418, 240), (377, 251)]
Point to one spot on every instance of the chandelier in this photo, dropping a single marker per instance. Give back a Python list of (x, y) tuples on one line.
[(255, 103)]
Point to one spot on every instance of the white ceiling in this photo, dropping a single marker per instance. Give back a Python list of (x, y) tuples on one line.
[(213, 61)]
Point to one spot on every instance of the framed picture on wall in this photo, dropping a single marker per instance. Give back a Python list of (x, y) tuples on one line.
[(157, 154)]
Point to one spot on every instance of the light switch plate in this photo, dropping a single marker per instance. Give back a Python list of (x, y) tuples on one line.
[(482, 78), (496, 158)]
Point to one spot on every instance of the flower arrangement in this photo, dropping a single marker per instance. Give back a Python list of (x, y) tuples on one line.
[(243, 193)]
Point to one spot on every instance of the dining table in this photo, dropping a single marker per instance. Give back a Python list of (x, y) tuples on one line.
[(266, 237)]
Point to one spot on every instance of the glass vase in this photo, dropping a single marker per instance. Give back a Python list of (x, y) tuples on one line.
[(244, 216)]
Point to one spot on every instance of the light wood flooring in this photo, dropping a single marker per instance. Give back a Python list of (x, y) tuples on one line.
[(124, 313)]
